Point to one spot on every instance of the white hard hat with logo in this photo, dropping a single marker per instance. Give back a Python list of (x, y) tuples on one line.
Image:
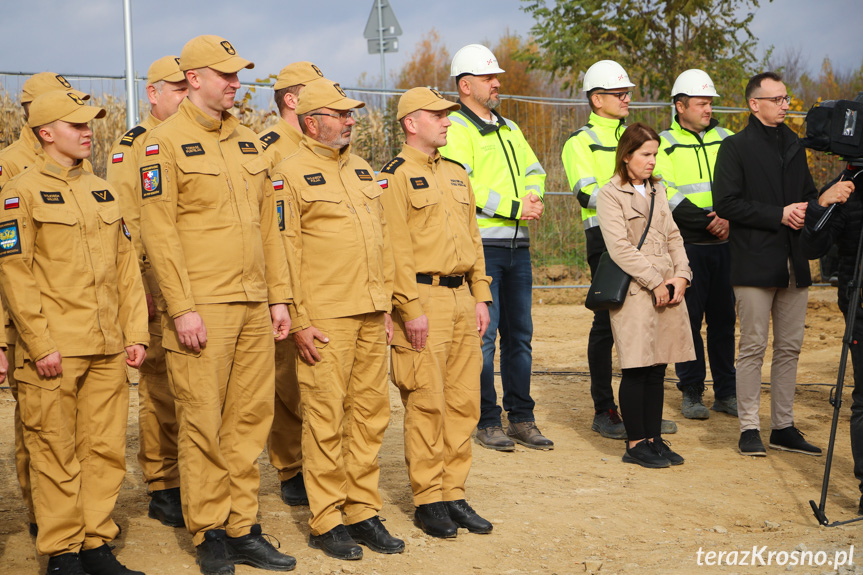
[(606, 74), (694, 83), (474, 59)]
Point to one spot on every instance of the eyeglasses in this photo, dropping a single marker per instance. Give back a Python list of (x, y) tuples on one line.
[(620, 95), (777, 99), (343, 116)]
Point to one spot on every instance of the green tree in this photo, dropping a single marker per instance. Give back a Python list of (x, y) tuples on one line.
[(654, 40)]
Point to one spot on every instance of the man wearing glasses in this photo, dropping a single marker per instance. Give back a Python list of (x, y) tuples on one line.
[(339, 252), (762, 185)]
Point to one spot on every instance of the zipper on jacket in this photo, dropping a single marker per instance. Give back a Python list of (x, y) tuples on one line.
[(514, 158), (514, 184)]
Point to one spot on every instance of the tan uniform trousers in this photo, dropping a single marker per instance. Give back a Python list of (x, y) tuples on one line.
[(75, 430), (157, 419), (285, 443), (440, 391), (224, 403), (22, 455), (340, 453)]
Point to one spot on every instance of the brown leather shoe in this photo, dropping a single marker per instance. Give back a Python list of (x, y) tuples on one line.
[(494, 438), (528, 435)]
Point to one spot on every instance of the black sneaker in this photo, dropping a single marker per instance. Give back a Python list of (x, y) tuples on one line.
[(434, 520), (645, 455), (165, 506), (212, 554), (294, 491), (791, 439), (101, 561), (750, 443), (372, 533), (254, 549), (609, 424), (463, 515), (65, 564), (337, 543), (663, 448)]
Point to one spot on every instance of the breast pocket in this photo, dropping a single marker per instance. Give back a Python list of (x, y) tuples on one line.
[(111, 227), (59, 237), (426, 205), (203, 186), (325, 210), (257, 186)]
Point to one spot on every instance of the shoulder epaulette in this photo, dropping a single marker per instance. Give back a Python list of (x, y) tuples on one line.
[(392, 165), (459, 164), (268, 139), (130, 136)]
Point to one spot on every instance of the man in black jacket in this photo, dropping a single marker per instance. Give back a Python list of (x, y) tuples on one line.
[(761, 187), (843, 229)]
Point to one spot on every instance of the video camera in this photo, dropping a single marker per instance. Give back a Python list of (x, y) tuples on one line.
[(836, 126)]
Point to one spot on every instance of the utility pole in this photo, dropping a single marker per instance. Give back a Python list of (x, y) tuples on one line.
[(131, 91), (382, 31)]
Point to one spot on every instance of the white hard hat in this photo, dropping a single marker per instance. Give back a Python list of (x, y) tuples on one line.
[(606, 74), (694, 83), (474, 59)]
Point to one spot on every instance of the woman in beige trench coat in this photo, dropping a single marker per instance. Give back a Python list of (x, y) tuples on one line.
[(651, 329)]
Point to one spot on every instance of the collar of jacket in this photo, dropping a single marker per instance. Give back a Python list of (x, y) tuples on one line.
[(483, 127), (677, 127), (628, 187), (50, 167), (606, 123), (225, 126), (340, 155), (29, 140), (295, 135), (788, 142), (411, 153)]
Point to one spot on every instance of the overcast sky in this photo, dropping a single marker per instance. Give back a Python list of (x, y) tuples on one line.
[(86, 36)]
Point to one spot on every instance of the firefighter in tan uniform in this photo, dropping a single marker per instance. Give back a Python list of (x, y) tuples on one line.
[(441, 293), (69, 274), (13, 160), (285, 447), (338, 243), (157, 422), (210, 231)]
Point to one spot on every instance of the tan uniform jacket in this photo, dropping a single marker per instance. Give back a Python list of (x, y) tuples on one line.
[(279, 142), (430, 201), (67, 265), (19, 156), (334, 224), (208, 216)]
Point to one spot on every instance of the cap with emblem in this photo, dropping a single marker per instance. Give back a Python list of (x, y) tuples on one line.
[(167, 69), (67, 105), (38, 84), (214, 52), (424, 99), (325, 94), (296, 74)]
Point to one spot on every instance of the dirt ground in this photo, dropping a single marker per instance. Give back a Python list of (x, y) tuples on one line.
[(577, 509)]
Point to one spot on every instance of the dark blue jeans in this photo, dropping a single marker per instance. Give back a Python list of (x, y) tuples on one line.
[(710, 297), (511, 285)]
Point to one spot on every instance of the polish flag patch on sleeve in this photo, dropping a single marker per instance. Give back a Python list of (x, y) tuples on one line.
[(10, 203), (152, 150), (278, 185), (384, 184), (117, 158)]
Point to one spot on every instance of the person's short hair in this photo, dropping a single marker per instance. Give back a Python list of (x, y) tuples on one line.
[(279, 95), (590, 98), (302, 118), (633, 138), (159, 85), (755, 82), (36, 133), (682, 98)]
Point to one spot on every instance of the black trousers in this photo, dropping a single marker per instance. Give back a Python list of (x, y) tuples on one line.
[(641, 396), (857, 403), (599, 344)]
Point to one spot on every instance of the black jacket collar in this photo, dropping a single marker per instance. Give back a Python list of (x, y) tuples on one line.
[(483, 127)]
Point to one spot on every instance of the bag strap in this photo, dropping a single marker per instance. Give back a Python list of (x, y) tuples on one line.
[(649, 216)]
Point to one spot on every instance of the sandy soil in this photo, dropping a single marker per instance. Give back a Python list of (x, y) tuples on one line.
[(576, 509)]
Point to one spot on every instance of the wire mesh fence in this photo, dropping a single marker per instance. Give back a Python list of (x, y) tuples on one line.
[(557, 240)]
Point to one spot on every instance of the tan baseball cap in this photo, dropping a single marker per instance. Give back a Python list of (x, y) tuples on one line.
[(296, 74), (424, 99), (66, 105), (167, 69), (214, 52), (38, 84), (325, 94)]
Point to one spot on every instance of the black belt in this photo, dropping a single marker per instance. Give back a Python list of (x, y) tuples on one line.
[(445, 281)]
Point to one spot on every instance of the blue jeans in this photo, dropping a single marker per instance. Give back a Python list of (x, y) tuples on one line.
[(512, 282)]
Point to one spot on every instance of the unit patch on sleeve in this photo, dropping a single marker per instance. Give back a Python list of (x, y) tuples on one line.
[(152, 150), (315, 179), (151, 181), (125, 229), (103, 196), (10, 203), (364, 175), (268, 139), (193, 149), (248, 147), (117, 158), (280, 210), (52, 197), (130, 136), (419, 183), (10, 241), (391, 166)]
